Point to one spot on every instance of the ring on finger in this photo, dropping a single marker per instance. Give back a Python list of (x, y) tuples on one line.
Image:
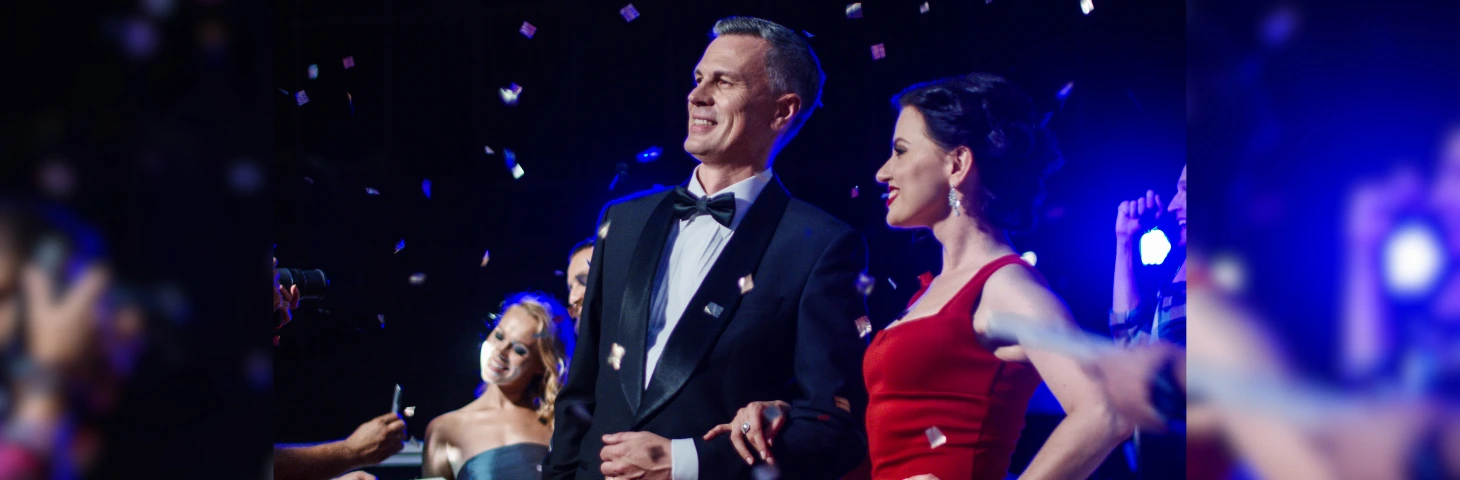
[(745, 428)]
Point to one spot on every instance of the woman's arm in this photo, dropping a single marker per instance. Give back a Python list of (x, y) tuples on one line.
[(1091, 428), (434, 462)]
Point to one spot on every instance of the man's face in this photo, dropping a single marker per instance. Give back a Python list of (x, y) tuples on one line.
[(732, 107), (578, 280)]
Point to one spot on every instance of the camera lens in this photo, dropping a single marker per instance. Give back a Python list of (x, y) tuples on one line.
[(312, 283)]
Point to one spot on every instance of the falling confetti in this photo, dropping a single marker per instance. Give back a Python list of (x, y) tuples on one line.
[(935, 437), (865, 283), (614, 183), (349, 62), (854, 10), (381, 318), (924, 8), (372, 191), (842, 403), (603, 231), (714, 309), (488, 150), (1087, 6), (410, 411), (616, 356), (517, 172), (808, 34), (313, 72), (746, 284), (1065, 91), (528, 30), (855, 192), (426, 187), (864, 327), (418, 278), (765, 471), (890, 282), (510, 94), (283, 91), (350, 99), (629, 12), (301, 97), (650, 155), (486, 257), (401, 245), (878, 52)]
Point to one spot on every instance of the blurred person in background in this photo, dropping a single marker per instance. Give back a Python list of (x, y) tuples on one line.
[(506, 431), (578, 259), (371, 443), (1137, 319)]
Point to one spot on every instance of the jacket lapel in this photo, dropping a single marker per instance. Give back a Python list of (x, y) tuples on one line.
[(715, 302), (638, 295)]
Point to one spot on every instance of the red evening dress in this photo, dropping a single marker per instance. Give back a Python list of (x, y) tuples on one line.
[(932, 372)]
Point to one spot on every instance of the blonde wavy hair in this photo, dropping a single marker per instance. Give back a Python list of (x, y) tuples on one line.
[(548, 313)]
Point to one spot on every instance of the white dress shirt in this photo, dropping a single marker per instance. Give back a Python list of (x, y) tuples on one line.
[(693, 248)]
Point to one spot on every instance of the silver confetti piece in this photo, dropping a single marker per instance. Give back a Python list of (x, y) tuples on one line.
[(410, 411), (488, 150), (629, 12), (418, 278), (864, 327), (616, 356), (865, 283), (879, 52), (395, 401), (855, 192), (935, 437), (890, 282), (528, 30), (1087, 6), (854, 10), (746, 284), (372, 191), (603, 231), (301, 97), (714, 309), (517, 171), (401, 245)]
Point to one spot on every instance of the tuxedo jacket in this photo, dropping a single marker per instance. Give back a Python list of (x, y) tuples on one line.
[(793, 337)]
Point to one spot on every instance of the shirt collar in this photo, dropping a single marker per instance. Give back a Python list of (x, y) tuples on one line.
[(746, 191)]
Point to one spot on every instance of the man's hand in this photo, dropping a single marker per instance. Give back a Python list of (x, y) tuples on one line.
[(1137, 215), (377, 439), (636, 455), (285, 300), (1126, 378), (356, 475), (765, 420), (60, 330)]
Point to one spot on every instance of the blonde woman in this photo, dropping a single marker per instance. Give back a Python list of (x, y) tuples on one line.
[(505, 432)]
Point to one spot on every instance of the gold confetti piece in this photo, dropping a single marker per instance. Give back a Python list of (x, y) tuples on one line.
[(616, 356), (842, 403), (746, 284), (935, 437), (864, 327), (486, 257), (603, 231)]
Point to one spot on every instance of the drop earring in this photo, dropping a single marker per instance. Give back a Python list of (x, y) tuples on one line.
[(955, 202)]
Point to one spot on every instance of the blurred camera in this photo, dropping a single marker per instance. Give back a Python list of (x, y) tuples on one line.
[(312, 283)]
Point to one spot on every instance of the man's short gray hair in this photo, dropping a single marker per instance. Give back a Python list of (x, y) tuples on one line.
[(792, 66)]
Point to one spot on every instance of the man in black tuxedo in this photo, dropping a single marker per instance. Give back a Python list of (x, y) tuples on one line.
[(725, 290)]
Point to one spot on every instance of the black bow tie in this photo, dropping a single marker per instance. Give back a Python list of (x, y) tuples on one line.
[(720, 207)]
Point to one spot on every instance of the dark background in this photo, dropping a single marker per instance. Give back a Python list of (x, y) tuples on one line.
[(598, 90)]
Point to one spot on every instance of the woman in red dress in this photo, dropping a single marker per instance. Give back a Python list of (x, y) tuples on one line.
[(947, 400)]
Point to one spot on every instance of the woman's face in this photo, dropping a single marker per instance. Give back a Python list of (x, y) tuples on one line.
[(917, 175), (509, 356)]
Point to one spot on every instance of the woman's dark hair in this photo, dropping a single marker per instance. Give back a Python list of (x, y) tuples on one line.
[(997, 121)]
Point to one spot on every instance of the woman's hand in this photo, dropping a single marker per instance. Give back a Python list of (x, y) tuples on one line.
[(750, 426)]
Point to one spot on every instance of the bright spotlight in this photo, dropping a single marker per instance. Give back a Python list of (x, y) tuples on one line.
[(1413, 260)]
